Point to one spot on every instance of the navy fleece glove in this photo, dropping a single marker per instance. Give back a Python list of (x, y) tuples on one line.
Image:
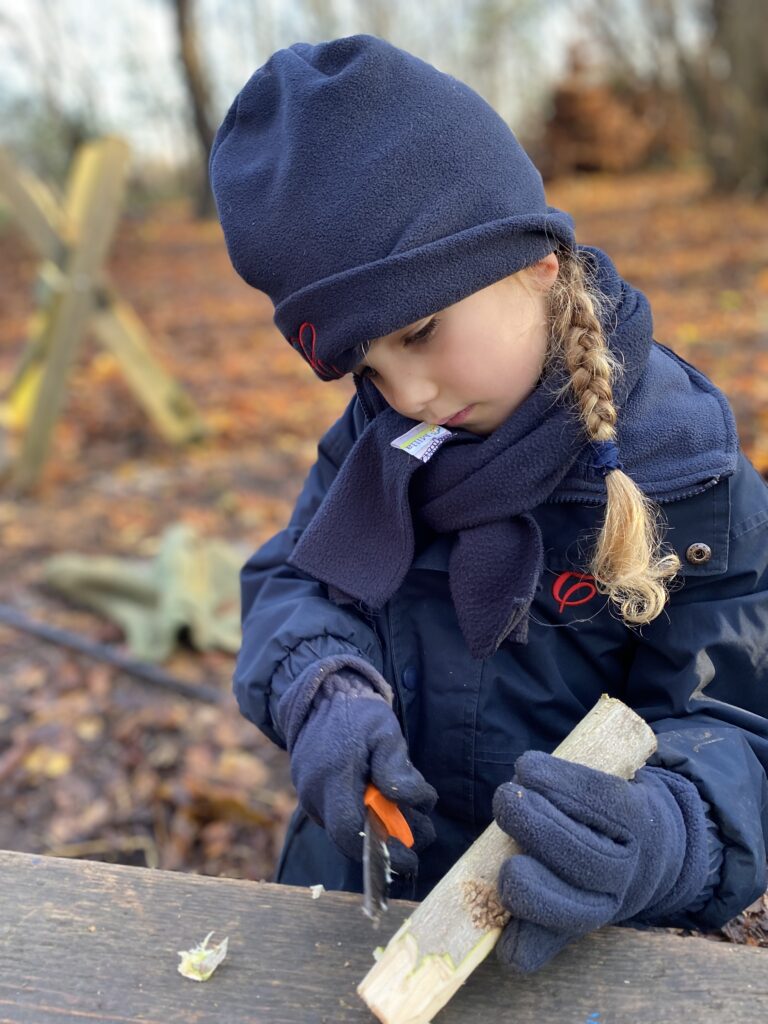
[(598, 850), (341, 733)]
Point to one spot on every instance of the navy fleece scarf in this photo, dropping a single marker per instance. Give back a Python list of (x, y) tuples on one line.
[(361, 540)]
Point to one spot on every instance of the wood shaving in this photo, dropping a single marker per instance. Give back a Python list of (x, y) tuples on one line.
[(200, 962)]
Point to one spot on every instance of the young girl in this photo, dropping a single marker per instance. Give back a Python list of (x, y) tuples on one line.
[(528, 503)]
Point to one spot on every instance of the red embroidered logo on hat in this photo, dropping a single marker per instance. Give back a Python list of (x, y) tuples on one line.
[(573, 588), (306, 345)]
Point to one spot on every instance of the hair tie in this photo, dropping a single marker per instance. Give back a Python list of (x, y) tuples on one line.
[(606, 457)]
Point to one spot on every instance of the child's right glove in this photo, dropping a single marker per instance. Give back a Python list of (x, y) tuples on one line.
[(341, 733)]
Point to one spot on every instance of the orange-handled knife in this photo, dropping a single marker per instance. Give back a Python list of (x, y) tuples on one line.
[(383, 818)]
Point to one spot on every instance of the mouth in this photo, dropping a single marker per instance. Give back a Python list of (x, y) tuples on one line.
[(458, 418)]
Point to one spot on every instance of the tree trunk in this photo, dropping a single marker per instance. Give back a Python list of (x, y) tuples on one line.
[(725, 85), (722, 77), (196, 81), (739, 149)]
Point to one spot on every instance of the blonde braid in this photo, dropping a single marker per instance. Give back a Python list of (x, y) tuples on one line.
[(628, 563)]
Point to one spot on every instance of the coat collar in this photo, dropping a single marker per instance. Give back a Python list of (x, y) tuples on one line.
[(700, 518), (669, 456)]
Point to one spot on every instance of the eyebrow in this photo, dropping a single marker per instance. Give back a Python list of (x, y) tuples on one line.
[(406, 334)]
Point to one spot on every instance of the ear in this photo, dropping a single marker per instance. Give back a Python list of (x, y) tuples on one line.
[(544, 273)]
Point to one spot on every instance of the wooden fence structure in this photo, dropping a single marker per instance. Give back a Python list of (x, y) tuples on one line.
[(74, 294)]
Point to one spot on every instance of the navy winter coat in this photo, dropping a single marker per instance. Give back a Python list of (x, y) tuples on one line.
[(698, 673)]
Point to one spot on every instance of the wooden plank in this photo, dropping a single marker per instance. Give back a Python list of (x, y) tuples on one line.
[(94, 198), (34, 207), (69, 313), (25, 380), (122, 333), (89, 942), (165, 402)]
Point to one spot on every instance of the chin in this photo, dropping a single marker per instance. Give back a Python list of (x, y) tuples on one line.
[(477, 428)]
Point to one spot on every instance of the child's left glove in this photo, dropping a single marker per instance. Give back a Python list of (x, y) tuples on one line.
[(598, 850)]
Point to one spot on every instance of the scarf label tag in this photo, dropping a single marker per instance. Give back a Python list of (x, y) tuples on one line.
[(422, 441)]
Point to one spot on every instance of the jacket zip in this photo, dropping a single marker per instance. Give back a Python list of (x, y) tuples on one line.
[(570, 499)]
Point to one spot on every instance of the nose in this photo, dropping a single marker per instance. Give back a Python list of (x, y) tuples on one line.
[(410, 395)]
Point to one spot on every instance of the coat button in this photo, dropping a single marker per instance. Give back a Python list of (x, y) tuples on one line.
[(698, 553), (410, 677)]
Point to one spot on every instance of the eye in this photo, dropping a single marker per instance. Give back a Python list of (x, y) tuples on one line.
[(426, 331), (420, 337)]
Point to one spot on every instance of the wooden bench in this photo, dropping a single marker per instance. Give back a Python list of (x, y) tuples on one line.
[(88, 942)]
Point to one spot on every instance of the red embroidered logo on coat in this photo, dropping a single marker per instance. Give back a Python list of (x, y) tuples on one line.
[(573, 588)]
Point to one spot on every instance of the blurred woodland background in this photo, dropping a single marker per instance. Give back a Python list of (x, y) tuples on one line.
[(649, 120)]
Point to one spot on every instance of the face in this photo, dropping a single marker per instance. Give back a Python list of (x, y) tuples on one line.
[(473, 363)]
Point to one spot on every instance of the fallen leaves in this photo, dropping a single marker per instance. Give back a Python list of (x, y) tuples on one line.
[(96, 765), (750, 928), (47, 762)]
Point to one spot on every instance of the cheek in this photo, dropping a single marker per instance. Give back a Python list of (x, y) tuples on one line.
[(511, 376), (461, 364), (505, 361), (532, 359), (453, 361), (494, 363)]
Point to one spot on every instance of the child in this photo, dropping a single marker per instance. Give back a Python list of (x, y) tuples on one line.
[(571, 517)]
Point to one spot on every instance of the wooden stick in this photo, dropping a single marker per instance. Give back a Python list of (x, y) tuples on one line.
[(458, 924), (15, 619)]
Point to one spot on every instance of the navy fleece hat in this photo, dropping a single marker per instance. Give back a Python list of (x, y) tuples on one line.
[(362, 189)]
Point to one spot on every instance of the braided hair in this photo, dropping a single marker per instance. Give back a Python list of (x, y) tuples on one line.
[(629, 562)]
